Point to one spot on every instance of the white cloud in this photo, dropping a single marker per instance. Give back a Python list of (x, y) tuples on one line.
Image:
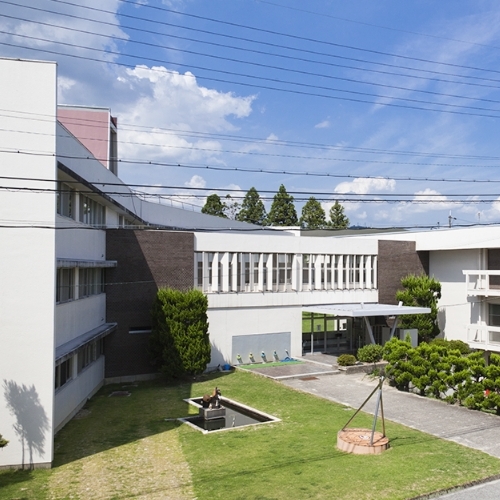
[(323, 124), (167, 103), (366, 185), (196, 181)]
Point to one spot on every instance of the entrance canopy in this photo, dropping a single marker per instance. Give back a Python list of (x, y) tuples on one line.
[(366, 311)]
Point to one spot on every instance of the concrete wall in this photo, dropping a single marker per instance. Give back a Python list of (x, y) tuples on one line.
[(27, 263), (74, 394), (456, 310)]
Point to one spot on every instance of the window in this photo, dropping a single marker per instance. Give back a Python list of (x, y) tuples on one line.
[(91, 212), (89, 353), (63, 373), (65, 286), (65, 200), (494, 314), (90, 282)]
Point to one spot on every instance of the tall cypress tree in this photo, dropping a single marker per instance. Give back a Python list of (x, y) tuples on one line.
[(252, 208), (338, 220), (313, 216), (282, 211)]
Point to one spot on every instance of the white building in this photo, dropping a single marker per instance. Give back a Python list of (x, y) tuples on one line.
[(82, 257)]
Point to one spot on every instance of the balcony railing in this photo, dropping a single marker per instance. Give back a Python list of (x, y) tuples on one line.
[(482, 282), (484, 337)]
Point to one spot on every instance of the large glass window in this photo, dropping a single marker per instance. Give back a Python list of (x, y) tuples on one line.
[(63, 373), (494, 315), (65, 287), (91, 212), (90, 282), (65, 200)]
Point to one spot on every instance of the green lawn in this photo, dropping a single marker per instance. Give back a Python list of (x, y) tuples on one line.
[(124, 448)]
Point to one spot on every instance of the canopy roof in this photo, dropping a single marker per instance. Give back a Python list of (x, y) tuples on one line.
[(365, 310)]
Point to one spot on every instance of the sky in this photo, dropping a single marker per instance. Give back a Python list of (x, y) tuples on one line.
[(391, 108)]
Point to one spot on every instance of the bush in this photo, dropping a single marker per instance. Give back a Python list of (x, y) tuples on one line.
[(371, 353), (179, 342), (453, 345), (346, 360)]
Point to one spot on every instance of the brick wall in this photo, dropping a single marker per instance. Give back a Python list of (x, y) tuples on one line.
[(396, 259), (147, 260)]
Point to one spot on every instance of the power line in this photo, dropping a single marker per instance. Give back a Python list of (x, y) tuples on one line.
[(259, 140), (251, 63), (419, 198), (391, 28), (252, 170), (272, 32), (290, 91), (280, 81)]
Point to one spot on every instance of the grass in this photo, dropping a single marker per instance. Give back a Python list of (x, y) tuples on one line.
[(124, 448)]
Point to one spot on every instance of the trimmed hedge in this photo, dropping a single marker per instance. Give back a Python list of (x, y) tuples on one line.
[(370, 353), (346, 360)]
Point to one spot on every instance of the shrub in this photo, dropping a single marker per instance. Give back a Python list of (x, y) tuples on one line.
[(346, 360), (453, 345), (179, 342), (371, 353)]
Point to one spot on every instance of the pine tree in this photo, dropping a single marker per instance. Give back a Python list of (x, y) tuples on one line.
[(338, 220), (214, 206), (252, 208), (282, 211), (313, 216), (420, 291)]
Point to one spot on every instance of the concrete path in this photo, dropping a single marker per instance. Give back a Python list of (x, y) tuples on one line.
[(467, 427)]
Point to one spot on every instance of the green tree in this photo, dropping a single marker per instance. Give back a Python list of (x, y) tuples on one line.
[(179, 342), (282, 211), (313, 216), (252, 208), (3, 442), (420, 291), (214, 206), (338, 220)]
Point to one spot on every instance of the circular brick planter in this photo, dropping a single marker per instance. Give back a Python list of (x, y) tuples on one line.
[(357, 441)]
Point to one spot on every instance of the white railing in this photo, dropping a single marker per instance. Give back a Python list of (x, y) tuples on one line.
[(484, 337), (477, 282)]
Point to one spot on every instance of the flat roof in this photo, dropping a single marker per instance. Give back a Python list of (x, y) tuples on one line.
[(365, 310)]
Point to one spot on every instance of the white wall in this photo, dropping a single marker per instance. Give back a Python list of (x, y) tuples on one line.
[(82, 242), (27, 264), (224, 323), (455, 308), (73, 395), (77, 317)]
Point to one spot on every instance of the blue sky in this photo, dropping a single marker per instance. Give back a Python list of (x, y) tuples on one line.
[(390, 107)]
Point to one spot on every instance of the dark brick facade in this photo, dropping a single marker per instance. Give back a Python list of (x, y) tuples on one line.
[(147, 260), (396, 259)]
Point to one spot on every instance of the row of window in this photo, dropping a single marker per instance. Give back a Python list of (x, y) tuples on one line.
[(84, 357), (90, 282), (90, 211), (252, 272)]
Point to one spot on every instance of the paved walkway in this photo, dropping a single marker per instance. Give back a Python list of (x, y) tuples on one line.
[(467, 427)]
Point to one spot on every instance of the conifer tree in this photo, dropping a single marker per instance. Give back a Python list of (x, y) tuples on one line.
[(338, 220), (179, 342), (282, 211), (214, 206), (252, 208), (420, 291), (313, 215)]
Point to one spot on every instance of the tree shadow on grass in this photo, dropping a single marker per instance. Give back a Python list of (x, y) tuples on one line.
[(32, 422)]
